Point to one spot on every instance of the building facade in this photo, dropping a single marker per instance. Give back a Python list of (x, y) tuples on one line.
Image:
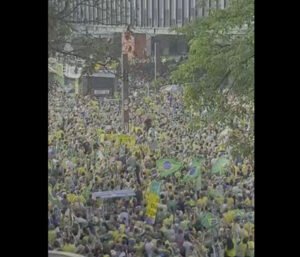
[(137, 13)]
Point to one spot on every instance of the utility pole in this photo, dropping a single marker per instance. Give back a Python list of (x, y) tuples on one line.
[(155, 59), (125, 100)]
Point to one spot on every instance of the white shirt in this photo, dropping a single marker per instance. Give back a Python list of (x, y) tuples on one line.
[(149, 248), (187, 246)]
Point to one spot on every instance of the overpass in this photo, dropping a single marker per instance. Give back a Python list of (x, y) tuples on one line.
[(154, 17)]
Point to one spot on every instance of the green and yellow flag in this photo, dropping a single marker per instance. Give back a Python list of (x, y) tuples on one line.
[(167, 167), (194, 170)]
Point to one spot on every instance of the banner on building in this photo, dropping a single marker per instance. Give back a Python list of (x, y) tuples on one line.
[(128, 44)]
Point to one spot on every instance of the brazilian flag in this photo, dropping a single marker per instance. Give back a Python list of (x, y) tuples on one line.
[(194, 170), (167, 167), (220, 165), (208, 220)]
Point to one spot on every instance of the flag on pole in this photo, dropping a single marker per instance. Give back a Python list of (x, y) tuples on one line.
[(167, 167)]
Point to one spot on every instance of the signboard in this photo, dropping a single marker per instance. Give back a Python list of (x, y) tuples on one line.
[(113, 194), (101, 92), (128, 44)]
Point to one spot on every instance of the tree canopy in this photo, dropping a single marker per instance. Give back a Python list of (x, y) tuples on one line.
[(219, 72), (61, 31)]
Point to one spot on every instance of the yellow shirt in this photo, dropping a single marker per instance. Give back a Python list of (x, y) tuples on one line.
[(115, 235), (69, 248), (230, 202), (81, 170), (244, 233), (236, 170), (229, 217), (219, 200), (202, 201), (230, 253), (248, 227), (244, 169), (251, 245), (250, 250), (241, 250)]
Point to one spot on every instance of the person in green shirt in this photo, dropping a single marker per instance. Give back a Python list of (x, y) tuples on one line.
[(172, 204), (241, 248)]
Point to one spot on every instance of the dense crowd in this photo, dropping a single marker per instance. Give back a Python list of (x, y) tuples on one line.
[(81, 162)]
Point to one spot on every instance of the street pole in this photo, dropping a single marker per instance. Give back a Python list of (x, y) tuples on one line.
[(155, 61), (148, 89), (125, 102)]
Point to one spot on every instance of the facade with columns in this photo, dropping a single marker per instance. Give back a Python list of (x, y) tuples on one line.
[(137, 13)]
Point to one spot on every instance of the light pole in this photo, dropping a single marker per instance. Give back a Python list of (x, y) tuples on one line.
[(155, 55), (125, 100), (155, 61)]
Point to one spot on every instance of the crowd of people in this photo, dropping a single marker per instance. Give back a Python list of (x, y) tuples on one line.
[(82, 162)]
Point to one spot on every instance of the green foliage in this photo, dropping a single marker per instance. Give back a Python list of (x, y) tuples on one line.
[(219, 72), (222, 48), (92, 50)]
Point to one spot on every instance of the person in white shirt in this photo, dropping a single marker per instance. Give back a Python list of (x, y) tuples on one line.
[(188, 246), (149, 248)]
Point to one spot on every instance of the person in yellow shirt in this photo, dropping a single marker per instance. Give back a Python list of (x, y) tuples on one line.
[(244, 169), (250, 248), (230, 202), (249, 227), (230, 249), (202, 202), (242, 248), (247, 202)]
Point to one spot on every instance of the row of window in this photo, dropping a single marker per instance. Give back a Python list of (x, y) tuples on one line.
[(144, 13)]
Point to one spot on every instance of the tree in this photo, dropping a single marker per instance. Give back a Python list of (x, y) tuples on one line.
[(219, 71), (61, 31)]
